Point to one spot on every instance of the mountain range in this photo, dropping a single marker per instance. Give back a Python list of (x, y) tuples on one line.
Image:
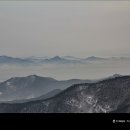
[(57, 60), (12, 60), (106, 96), (33, 86)]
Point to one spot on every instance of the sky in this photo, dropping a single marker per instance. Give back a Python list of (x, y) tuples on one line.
[(76, 28)]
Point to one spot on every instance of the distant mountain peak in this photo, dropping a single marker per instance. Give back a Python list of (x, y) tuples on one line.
[(21, 78), (116, 75), (56, 58), (94, 58), (4, 56), (32, 76), (71, 58), (112, 77), (8, 57)]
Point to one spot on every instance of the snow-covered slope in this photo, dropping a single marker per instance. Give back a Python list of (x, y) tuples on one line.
[(111, 95)]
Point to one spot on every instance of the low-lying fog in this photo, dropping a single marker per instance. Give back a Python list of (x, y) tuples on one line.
[(67, 71)]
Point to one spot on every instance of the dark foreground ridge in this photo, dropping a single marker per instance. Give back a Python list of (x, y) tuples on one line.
[(107, 96)]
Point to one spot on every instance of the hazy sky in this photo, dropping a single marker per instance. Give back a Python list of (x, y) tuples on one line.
[(65, 28)]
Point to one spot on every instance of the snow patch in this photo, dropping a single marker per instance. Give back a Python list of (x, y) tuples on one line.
[(30, 96), (8, 83), (46, 103), (72, 102)]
